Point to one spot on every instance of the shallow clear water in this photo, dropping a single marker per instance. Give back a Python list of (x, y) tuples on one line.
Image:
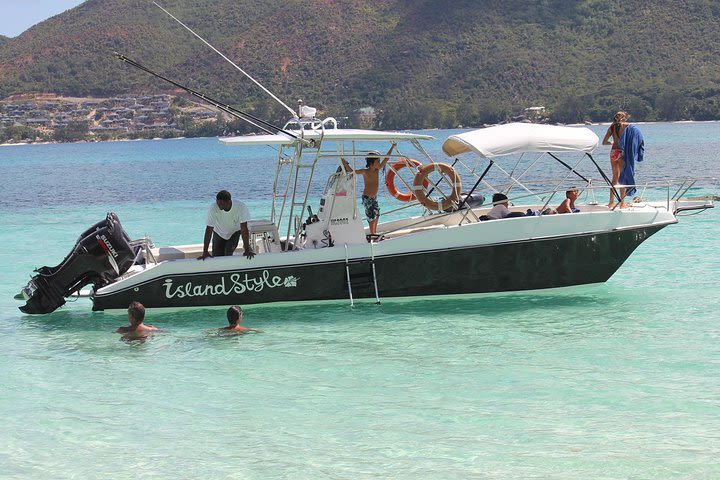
[(618, 380)]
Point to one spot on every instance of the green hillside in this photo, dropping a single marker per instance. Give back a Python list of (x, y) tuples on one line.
[(419, 63)]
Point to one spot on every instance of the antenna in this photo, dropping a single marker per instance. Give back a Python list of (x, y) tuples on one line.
[(230, 61)]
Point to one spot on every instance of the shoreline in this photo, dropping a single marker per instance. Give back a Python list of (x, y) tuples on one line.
[(596, 124)]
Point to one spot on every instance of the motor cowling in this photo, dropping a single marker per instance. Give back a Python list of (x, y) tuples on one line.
[(102, 253)]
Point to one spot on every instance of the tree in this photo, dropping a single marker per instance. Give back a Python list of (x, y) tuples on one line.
[(72, 132), (670, 104), (571, 109)]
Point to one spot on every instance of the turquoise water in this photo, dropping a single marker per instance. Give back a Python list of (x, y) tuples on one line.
[(618, 380)]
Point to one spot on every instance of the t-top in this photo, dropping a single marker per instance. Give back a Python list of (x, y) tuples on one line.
[(227, 223)]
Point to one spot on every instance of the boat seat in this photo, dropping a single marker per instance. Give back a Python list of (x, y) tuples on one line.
[(177, 252), (264, 233), (407, 231)]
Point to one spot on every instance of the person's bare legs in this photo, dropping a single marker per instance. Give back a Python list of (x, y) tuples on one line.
[(373, 225), (623, 203), (617, 166)]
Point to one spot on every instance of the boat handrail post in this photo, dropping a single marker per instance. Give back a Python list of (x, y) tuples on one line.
[(675, 195), (592, 191), (347, 273), (273, 213), (139, 253), (277, 217), (308, 181), (372, 262), (354, 180), (472, 190), (145, 251)]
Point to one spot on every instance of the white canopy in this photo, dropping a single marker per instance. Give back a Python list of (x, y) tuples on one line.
[(520, 138), (332, 134)]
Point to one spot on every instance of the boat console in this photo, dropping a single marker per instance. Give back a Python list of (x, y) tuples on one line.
[(337, 220)]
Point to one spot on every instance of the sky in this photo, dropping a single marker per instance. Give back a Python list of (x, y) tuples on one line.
[(16, 16)]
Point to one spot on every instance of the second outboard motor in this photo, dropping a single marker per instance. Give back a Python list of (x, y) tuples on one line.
[(101, 254)]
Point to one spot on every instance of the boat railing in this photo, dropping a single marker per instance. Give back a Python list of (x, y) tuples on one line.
[(299, 124), (672, 190), (144, 247)]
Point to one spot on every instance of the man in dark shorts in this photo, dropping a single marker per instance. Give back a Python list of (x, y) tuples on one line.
[(226, 222)]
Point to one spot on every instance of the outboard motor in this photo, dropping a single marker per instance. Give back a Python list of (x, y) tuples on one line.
[(102, 253)]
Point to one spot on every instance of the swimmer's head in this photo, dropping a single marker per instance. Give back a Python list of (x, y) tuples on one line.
[(234, 314), (136, 313)]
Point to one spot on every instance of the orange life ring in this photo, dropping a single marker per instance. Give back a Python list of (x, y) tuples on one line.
[(390, 179), (421, 179)]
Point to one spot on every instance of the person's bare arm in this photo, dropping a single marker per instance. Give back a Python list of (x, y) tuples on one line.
[(608, 134), (245, 234), (206, 243), (387, 157), (346, 165), (362, 171)]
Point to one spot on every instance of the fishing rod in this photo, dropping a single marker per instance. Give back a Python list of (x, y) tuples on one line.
[(294, 114), (217, 104)]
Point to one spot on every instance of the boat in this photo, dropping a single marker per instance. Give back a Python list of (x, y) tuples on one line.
[(444, 245), (438, 242)]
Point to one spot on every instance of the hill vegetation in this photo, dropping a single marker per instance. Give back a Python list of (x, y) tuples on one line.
[(418, 63)]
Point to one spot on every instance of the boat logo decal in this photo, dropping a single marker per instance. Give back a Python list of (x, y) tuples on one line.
[(109, 251), (235, 283)]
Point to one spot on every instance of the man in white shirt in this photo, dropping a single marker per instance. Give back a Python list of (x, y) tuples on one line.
[(226, 222)]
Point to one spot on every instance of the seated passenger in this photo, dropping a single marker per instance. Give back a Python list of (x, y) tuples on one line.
[(501, 210), (568, 205)]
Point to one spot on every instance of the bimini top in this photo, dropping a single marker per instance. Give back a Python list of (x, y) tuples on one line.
[(520, 138), (331, 134)]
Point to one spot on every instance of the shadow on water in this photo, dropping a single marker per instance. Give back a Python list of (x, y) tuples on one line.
[(486, 306), (549, 313), (71, 321), (72, 330)]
